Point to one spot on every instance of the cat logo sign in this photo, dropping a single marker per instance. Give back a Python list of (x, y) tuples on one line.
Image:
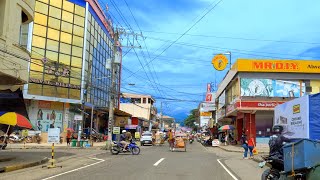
[(219, 62)]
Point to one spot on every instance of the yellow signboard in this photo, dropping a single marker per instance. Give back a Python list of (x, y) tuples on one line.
[(291, 66), (205, 114), (137, 135), (219, 62)]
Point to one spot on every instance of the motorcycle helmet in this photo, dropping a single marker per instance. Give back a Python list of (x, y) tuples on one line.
[(124, 131), (277, 129)]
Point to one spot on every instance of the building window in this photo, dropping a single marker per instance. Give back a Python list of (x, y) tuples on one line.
[(144, 101)]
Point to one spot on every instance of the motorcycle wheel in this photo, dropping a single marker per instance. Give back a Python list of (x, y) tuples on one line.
[(135, 151), (265, 174), (114, 150)]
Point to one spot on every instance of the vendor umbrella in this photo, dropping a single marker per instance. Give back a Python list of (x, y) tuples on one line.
[(226, 127), (14, 119)]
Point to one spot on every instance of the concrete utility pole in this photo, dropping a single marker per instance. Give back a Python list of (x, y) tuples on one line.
[(112, 92), (161, 117)]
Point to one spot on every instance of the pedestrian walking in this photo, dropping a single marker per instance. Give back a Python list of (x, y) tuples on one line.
[(244, 145), (171, 140), (226, 139), (68, 137), (251, 146)]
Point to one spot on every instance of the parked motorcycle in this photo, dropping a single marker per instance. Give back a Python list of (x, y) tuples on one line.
[(37, 138), (117, 148), (191, 140)]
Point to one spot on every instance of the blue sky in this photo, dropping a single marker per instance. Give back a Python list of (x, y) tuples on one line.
[(273, 29)]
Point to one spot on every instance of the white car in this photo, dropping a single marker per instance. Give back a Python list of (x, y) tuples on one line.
[(146, 138)]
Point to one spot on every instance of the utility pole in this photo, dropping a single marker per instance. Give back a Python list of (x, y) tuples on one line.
[(161, 116), (112, 92)]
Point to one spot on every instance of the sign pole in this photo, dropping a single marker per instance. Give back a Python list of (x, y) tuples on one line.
[(53, 137)]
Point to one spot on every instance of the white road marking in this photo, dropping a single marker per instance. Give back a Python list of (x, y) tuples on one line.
[(224, 167), (99, 161), (158, 162)]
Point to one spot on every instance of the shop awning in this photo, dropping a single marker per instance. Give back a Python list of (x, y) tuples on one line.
[(118, 112)]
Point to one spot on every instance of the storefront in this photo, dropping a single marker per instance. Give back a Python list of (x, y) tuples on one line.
[(48, 114)]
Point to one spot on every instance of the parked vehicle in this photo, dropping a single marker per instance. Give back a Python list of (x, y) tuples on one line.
[(117, 148), (37, 138), (146, 138)]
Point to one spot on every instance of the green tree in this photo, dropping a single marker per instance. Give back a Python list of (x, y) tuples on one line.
[(191, 119)]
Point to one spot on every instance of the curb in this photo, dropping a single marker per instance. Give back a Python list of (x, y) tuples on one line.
[(56, 147), (21, 166), (262, 152)]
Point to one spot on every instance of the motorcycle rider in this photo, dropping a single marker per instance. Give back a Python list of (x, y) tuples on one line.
[(276, 142), (123, 139)]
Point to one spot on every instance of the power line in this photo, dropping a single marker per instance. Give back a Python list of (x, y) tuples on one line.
[(182, 34)]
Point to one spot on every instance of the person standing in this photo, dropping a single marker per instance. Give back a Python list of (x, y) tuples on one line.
[(226, 138), (251, 146), (170, 140), (244, 145)]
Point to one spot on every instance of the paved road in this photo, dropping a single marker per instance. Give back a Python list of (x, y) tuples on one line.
[(197, 163)]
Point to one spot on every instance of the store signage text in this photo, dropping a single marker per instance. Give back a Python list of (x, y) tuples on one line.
[(52, 70), (51, 83), (261, 65), (255, 104)]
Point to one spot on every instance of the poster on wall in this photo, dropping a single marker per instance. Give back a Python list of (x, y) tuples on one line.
[(271, 88), (293, 116), (49, 119)]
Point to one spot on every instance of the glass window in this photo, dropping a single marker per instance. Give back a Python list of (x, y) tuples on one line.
[(78, 41), (65, 48), (68, 6), (39, 30), (77, 51), (52, 56), (35, 89), (53, 34), (64, 59), (66, 37), (66, 27), (66, 16), (78, 20), (52, 45), (62, 92), (76, 62), (37, 53), (56, 3), (49, 77), (64, 80), (76, 72), (41, 8), (40, 19), (36, 75), (38, 41), (79, 10), (36, 65), (55, 12), (49, 90), (75, 81), (74, 94), (54, 23), (77, 30)]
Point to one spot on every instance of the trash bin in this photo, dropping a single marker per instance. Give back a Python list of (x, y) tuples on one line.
[(81, 143), (73, 143)]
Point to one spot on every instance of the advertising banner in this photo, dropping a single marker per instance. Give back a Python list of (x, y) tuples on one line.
[(271, 88), (49, 119), (206, 107), (293, 116), (204, 121)]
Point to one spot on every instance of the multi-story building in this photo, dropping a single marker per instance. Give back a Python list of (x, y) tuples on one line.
[(252, 88), (142, 109), (71, 47), (15, 18)]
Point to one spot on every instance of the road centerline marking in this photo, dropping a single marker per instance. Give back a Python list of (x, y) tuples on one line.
[(225, 168), (158, 162), (99, 161)]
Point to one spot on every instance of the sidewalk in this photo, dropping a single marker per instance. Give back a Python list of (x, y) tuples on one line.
[(262, 148), (96, 145)]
